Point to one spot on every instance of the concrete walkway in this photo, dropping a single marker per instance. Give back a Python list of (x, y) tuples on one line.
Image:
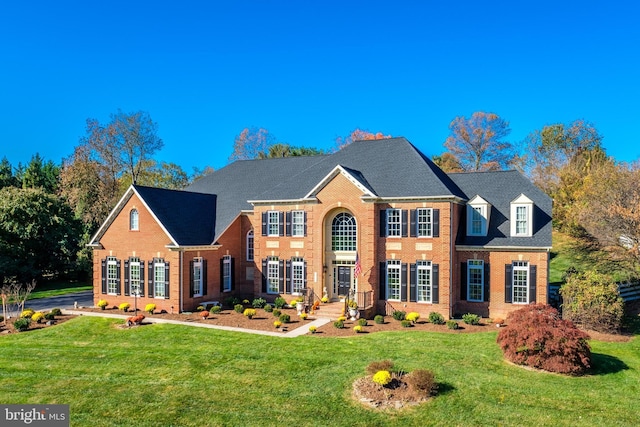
[(302, 330)]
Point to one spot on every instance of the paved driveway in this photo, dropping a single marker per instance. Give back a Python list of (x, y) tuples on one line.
[(84, 298)]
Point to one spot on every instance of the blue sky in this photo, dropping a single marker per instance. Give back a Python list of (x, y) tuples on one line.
[(312, 71)]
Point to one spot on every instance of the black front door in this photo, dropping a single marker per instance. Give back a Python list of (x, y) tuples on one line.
[(344, 280)]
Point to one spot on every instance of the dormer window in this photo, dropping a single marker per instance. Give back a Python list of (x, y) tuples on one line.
[(478, 211), (522, 217), (133, 220)]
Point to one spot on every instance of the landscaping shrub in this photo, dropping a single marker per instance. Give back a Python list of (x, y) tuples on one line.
[(379, 319), (268, 308), (215, 309), (412, 317), (362, 322), (22, 324), (357, 329), (436, 318), (102, 304), (239, 308), (379, 365), (204, 314), (250, 312), (422, 381), (56, 312), (27, 313), (37, 316), (277, 324), (342, 318), (382, 377), (339, 324), (1, 318), (452, 324), (399, 315), (150, 308), (200, 308), (231, 301), (258, 302), (47, 316), (471, 319), (303, 316), (124, 306), (313, 329), (285, 318), (280, 302), (592, 300), (406, 323), (536, 336), (277, 313)]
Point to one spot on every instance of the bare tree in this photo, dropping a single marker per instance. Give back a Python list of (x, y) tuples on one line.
[(250, 143), (358, 135), (14, 295)]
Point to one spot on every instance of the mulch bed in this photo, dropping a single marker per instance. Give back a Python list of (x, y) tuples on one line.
[(8, 328)]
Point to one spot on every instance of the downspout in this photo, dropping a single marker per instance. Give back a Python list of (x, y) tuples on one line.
[(451, 249), (180, 280)]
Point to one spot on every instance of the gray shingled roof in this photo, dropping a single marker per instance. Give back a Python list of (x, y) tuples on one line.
[(189, 217), (499, 189)]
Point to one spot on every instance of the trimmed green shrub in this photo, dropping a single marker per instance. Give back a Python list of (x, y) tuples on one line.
[(339, 324), (268, 308), (277, 313), (379, 365), (280, 302), (239, 308), (285, 318), (47, 316), (258, 302), (231, 301), (1, 318), (22, 324), (215, 309), (452, 324), (362, 322), (406, 323), (471, 319), (422, 381), (436, 318), (399, 315), (536, 336), (56, 312), (379, 319)]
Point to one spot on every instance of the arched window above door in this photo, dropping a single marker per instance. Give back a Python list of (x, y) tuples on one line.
[(343, 232)]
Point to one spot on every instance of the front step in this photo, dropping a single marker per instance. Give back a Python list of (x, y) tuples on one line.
[(332, 310)]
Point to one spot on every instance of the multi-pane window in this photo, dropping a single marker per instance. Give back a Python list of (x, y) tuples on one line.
[(135, 275), (424, 222), (423, 276), (394, 222), (197, 277), (475, 280), (250, 246), (273, 275), (520, 282), (297, 223), (477, 220), (134, 220), (393, 279), (226, 273), (159, 278), (522, 226), (297, 275), (343, 232), (112, 275), (273, 223)]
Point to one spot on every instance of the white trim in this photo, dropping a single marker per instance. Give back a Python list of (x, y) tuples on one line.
[(338, 170), (504, 248)]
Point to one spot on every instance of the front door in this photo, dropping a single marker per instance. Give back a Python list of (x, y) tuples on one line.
[(344, 280)]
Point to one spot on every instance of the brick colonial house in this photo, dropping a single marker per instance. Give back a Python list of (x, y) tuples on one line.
[(377, 218)]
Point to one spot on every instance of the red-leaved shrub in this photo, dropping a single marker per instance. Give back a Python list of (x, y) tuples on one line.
[(536, 336)]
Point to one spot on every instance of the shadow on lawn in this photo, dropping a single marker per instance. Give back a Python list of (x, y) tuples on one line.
[(603, 364)]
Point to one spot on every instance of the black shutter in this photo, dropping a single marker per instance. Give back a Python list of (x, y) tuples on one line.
[(413, 280), (382, 279), (305, 223), (152, 277), (383, 223), (281, 223), (405, 215), (436, 223), (191, 278), (435, 284), (265, 223), (533, 276), (103, 265), (487, 289), (304, 274), (463, 281), (413, 224), (508, 280), (233, 273), (204, 276), (118, 272), (287, 284), (287, 224), (141, 278), (281, 276), (166, 280), (221, 274), (264, 275), (403, 282), (126, 277)]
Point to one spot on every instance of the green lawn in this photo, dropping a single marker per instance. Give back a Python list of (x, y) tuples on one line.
[(55, 288), (169, 375)]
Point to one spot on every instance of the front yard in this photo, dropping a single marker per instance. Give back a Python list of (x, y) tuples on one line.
[(183, 376)]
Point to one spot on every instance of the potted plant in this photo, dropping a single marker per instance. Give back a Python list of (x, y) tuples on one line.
[(353, 309)]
